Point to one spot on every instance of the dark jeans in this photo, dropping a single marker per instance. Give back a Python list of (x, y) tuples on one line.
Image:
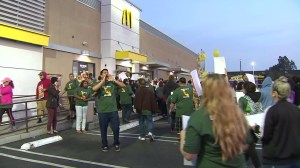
[(9, 113), (126, 111), (173, 119), (72, 103), (178, 124), (252, 154), (52, 121), (111, 118), (142, 119), (162, 106)]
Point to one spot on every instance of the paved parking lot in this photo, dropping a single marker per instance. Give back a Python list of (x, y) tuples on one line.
[(83, 150)]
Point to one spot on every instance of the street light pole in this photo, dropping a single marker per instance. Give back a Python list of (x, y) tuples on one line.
[(252, 64)]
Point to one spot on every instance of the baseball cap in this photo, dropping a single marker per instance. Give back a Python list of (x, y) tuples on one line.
[(6, 79)]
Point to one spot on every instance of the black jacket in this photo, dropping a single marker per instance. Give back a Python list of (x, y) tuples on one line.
[(281, 137), (169, 87), (53, 95)]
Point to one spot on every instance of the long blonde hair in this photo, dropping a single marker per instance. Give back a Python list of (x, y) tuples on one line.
[(229, 124)]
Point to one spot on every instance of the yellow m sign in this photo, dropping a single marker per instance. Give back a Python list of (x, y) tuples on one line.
[(127, 18)]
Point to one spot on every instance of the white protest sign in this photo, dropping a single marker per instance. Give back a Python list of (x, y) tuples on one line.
[(185, 120), (134, 77), (238, 95), (122, 76), (196, 82), (251, 78), (219, 65)]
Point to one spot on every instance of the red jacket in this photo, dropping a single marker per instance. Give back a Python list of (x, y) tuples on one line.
[(45, 83)]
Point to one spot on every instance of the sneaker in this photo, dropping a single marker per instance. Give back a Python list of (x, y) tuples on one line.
[(105, 149), (142, 138), (117, 147), (151, 137), (39, 121)]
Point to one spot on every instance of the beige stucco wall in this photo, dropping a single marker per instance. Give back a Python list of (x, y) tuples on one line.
[(158, 49), (57, 62), (69, 23)]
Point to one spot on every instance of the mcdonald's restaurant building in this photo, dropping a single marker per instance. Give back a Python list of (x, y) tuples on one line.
[(72, 36)]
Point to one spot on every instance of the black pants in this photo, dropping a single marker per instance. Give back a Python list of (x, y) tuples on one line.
[(173, 120), (9, 113), (178, 124)]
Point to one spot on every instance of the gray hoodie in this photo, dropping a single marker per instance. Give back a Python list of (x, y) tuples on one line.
[(266, 93)]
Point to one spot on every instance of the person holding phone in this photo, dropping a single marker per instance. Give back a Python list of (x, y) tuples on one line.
[(52, 104)]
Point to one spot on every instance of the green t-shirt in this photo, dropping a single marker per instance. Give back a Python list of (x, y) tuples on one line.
[(243, 104), (71, 87), (80, 91), (200, 140), (125, 95), (183, 98), (107, 97)]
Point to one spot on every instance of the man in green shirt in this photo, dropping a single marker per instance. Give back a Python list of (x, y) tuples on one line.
[(70, 88), (183, 98), (125, 101), (107, 107)]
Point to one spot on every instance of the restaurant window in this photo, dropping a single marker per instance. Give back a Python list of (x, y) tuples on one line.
[(79, 67)]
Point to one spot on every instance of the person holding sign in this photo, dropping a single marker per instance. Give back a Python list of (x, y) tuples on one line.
[(183, 99), (217, 133)]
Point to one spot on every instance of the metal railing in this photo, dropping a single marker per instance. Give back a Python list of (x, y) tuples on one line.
[(29, 107)]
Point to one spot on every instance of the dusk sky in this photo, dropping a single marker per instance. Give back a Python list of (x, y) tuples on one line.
[(256, 30)]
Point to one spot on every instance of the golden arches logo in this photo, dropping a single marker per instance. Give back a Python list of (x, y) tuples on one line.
[(127, 18)]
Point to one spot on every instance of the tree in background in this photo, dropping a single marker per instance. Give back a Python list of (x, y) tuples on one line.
[(284, 65)]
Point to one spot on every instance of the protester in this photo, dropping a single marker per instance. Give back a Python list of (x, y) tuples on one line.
[(160, 99), (82, 95), (217, 132), (145, 105), (266, 93), (169, 87), (42, 95), (250, 105), (172, 113), (70, 89), (183, 99), (125, 101), (281, 136), (52, 105), (107, 108), (6, 101)]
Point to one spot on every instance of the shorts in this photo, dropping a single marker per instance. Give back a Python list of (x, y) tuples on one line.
[(41, 105)]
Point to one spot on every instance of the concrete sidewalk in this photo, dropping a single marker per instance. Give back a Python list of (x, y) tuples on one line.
[(8, 136)]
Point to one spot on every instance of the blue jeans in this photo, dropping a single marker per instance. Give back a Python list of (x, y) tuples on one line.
[(291, 165), (149, 120), (126, 111), (111, 118)]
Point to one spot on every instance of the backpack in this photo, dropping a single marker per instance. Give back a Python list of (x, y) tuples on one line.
[(253, 107)]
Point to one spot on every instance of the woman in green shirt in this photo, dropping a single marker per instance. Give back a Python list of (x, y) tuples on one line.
[(216, 132), (82, 95)]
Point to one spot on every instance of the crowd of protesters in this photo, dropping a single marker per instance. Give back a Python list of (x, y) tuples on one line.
[(217, 135)]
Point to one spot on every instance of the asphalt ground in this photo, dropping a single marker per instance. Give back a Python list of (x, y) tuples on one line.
[(84, 150)]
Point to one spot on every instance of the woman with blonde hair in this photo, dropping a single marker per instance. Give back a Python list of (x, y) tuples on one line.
[(281, 136), (217, 133)]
